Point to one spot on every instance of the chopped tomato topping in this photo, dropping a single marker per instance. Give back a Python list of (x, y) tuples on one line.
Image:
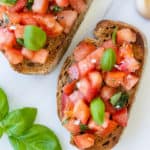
[(81, 111), (27, 53), (121, 117), (62, 3), (84, 141), (109, 107), (19, 31), (40, 6), (107, 92), (125, 35), (130, 81), (83, 50), (14, 56), (79, 5), (20, 4), (68, 88), (14, 18), (28, 19), (114, 79), (109, 44), (72, 126), (73, 72)]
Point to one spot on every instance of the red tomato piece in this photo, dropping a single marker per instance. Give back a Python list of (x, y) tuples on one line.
[(18, 6), (19, 31), (14, 56), (82, 50), (79, 5), (84, 141), (109, 44), (7, 38), (85, 88), (95, 79), (28, 19), (125, 35), (107, 92), (81, 111), (40, 56), (121, 117), (114, 79), (75, 96), (67, 18), (109, 107), (62, 3), (68, 88), (73, 72), (14, 18), (27, 53), (130, 81), (40, 6), (72, 126)]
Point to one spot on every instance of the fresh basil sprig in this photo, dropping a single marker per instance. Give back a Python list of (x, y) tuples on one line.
[(38, 137), (19, 121), (8, 2)]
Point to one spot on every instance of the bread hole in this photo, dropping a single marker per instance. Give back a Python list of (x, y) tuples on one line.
[(106, 143), (114, 138), (110, 135), (30, 64)]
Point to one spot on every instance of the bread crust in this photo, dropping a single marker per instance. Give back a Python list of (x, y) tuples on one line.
[(56, 47), (103, 32)]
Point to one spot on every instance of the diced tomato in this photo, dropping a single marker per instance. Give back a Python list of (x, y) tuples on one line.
[(75, 96), (27, 53), (2, 10), (79, 5), (125, 35), (130, 81), (73, 72), (72, 126), (19, 31), (83, 49), (126, 51), (81, 111), (95, 80), (56, 31), (84, 141), (109, 107), (93, 126), (20, 4), (114, 79), (109, 44), (67, 18), (28, 19), (109, 129), (40, 56), (86, 89), (121, 117), (14, 56), (14, 18), (68, 88), (7, 38), (129, 65), (62, 3), (107, 92), (40, 6)]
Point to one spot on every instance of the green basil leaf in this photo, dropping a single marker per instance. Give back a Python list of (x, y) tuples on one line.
[(20, 41), (114, 35), (56, 9), (83, 127), (108, 59), (8, 2), (34, 38), (29, 4), (97, 108), (115, 98), (38, 137), (18, 121), (4, 107), (1, 132)]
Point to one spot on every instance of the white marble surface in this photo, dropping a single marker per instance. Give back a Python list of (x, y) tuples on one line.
[(39, 91)]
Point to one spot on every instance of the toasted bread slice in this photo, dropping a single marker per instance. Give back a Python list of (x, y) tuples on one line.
[(102, 32), (56, 46)]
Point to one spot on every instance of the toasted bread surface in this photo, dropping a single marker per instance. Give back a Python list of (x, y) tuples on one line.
[(103, 32)]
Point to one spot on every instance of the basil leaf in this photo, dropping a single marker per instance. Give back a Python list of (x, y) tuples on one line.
[(97, 108), (108, 59), (4, 107), (20, 41), (1, 132), (38, 137), (56, 9), (29, 4), (9, 2), (34, 38), (18, 121), (83, 127), (114, 34), (115, 98)]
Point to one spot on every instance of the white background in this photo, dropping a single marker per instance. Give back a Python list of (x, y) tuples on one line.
[(39, 91)]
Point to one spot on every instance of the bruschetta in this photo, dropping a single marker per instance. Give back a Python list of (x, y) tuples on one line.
[(97, 85)]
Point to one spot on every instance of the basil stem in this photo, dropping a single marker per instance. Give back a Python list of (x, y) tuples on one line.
[(114, 35)]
